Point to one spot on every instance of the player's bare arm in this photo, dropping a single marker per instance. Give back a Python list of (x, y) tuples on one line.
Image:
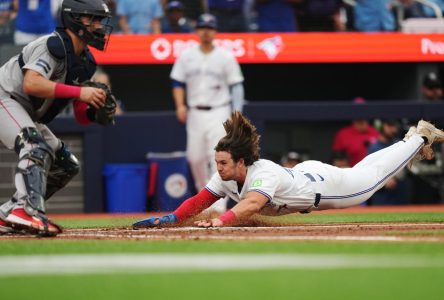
[(36, 85), (179, 99), (247, 207), (155, 26), (123, 23)]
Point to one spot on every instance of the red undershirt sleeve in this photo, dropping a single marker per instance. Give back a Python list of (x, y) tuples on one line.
[(80, 109), (194, 205)]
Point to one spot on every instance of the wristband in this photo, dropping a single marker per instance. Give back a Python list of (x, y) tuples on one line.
[(228, 217), (66, 91)]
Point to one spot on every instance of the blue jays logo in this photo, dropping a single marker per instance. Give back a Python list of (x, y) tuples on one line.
[(271, 46)]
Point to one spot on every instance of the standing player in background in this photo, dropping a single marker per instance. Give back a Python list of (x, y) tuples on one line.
[(261, 186), (34, 87), (207, 85)]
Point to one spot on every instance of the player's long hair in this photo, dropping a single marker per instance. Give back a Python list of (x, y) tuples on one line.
[(241, 140)]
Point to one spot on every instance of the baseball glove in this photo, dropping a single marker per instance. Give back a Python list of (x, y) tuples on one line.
[(105, 114)]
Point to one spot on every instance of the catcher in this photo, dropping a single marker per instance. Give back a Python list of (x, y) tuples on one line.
[(34, 87), (261, 186)]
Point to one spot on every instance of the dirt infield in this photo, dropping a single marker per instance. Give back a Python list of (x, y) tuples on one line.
[(409, 232), (395, 232), (260, 231), (351, 210)]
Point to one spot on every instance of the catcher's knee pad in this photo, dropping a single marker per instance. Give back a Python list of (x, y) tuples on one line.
[(34, 175), (64, 168)]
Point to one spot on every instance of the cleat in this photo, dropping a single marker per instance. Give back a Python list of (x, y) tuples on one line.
[(412, 131), (5, 227), (426, 152), (38, 225), (430, 132)]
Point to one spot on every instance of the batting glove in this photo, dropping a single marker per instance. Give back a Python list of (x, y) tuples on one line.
[(156, 221)]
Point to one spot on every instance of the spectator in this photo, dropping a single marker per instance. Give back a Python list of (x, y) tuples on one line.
[(414, 9), (192, 9), (34, 19), (432, 89), (230, 15), (321, 15), (6, 12), (374, 15), (427, 177), (174, 21), (276, 15), (395, 190), (291, 159), (355, 138), (139, 16), (339, 159)]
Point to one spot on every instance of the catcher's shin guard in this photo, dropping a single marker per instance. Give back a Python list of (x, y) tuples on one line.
[(34, 175), (64, 168)]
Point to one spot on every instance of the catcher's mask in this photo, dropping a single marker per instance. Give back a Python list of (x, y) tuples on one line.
[(89, 29)]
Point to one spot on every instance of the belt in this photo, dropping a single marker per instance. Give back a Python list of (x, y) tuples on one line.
[(204, 107), (317, 200), (316, 204)]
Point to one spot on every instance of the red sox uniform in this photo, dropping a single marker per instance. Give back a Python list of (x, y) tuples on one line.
[(45, 164)]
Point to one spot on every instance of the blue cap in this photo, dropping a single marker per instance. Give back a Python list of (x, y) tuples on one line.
[(175, 5), (206, 21)]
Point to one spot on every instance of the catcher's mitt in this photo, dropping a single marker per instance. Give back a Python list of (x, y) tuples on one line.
[(105, 114)]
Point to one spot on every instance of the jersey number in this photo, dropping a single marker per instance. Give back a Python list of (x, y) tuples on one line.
[(313, 177)]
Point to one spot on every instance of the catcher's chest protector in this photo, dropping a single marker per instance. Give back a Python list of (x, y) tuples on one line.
[(79, 69)]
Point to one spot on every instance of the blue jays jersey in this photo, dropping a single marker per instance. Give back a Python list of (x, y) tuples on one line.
[(288, 190)]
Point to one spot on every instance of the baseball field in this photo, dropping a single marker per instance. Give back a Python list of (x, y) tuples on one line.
[(358, 253)]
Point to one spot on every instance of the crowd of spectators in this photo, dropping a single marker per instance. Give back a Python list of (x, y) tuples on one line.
[(31, 18)]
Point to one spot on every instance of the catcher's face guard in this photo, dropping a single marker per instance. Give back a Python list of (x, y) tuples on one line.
[(88, 20), (93, 30)]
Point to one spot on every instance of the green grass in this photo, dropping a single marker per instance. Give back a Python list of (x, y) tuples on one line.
[(39, 246), (363, 218), (362, 284)]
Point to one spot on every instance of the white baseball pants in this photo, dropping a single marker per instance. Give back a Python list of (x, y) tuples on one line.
[(204, 130), (341, 188), (13, 117)]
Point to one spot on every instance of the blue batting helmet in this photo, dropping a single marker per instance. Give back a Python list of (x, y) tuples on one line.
[(206, 21)]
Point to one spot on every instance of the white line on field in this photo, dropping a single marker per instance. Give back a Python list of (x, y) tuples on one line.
[(253, 238), (277, 228), (153, 263), (305, 226)]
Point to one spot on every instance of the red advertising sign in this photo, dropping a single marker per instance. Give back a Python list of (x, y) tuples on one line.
[(281, 47)]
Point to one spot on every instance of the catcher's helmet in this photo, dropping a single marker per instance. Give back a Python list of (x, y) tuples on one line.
[(206, 21), (73, 10)]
